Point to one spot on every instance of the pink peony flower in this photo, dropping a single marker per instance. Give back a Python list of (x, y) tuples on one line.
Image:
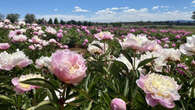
[(159, 89), (118, 104), (85, 42), (21, 87), (166, 46), (173, 45), (68, 66), (36, 39), (43, 62), (51, 30), (52, 41), (4, 46), (159, 41), (193, 62), (135, 42), (189, 47), (60, 31), (9, 61), (104, 35), (19, 38), (59, 35), (152, 46), (177, 36), (32, 47)]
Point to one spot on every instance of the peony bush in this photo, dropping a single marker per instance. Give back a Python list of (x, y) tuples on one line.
[(69, 67)]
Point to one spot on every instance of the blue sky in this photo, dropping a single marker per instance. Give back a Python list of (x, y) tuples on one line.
[(102, 10)]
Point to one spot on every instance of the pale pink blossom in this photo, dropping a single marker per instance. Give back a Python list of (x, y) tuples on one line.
[(4, 46), (104, 35), (68, 66), (189, 47), (51, 30), (118, 104), (21, 87), (59, 35), (43, 62), (9, 61), (32, 47), (19, 38), (159, 89), (134, 42)]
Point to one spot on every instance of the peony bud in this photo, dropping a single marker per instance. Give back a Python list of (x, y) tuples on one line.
[(118, 104)]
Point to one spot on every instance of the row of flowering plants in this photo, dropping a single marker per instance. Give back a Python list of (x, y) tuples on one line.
[(68, 67)]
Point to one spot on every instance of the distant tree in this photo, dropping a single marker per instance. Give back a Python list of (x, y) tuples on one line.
[(56, 21), (73, 22), (193, 15), (68, 22), (85, 23), (13, 17), (79, 23), (41, 21), (1, 16), (62, 22), (30, 18), (89, 23), (50, 21)]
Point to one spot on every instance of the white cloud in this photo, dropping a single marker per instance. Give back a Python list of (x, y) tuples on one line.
[(143, 10), (123, 8), (193, 1), (128, 15), (105, 11), (78, 9), (130, 10), (115, 8), (155, 7), (119, 8), (111, 10), (134, 10), (158, 7), (64, 17), (55, 9)]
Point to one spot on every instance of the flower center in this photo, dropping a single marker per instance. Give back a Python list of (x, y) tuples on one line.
[(73, 69), (159, 85), (25, 86)]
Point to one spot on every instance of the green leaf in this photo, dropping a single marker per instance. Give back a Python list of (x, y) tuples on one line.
[(126, 90), (89, 106), (146, 61), (40, 82), (52, 96), (6, 99), (87, 82), (128, 55), (98, 46), (44, 105)]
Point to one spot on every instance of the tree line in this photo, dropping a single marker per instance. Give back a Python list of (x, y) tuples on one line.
[(31, 18)]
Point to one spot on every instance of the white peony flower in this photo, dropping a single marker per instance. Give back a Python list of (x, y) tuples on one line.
[(171, 54), (158, 63), (124, 60), (9, 61), (93, 49), (134, 42), (43, 62), (19, 38), (189, 47), (51, 30)]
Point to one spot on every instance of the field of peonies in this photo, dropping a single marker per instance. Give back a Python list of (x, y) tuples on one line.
[(69, 67)]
